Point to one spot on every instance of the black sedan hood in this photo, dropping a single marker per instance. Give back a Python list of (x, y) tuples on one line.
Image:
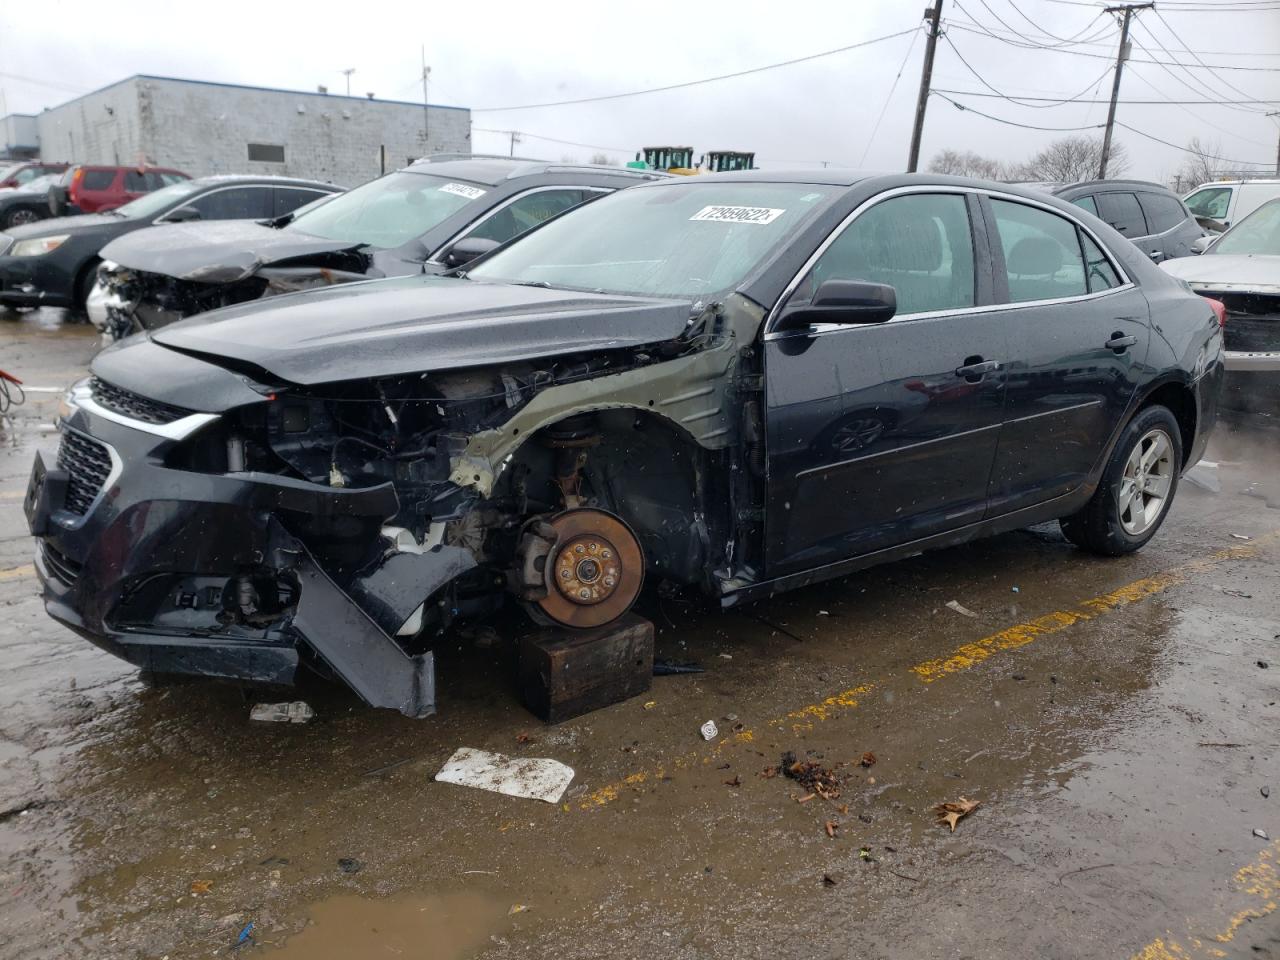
[(217, 251), (85, 224), (407, 325)]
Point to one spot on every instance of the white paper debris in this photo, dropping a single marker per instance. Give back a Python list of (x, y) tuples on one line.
[(298, 711), (710, 731), (532, 778), (960, 609)]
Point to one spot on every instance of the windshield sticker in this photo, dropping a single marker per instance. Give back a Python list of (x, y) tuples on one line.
[(739, 214), (463, 190), (810, 197)]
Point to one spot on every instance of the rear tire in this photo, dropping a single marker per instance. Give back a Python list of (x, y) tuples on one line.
[(20, 216), (1136, 489)]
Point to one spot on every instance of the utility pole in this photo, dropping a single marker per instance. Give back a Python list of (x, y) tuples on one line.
[(1276, 113), (515, 138), (347, 73), (1121, 56), (934, 16), (426, 111)]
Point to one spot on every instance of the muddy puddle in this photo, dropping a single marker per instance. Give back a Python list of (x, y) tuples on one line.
[(449, 927)]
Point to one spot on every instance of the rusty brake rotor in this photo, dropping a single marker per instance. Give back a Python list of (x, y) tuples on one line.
[(594, 572)]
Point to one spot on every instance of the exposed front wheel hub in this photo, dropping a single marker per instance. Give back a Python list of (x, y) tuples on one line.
[(595, 570)]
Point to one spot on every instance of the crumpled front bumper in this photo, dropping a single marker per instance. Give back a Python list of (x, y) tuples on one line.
[(136, 563)]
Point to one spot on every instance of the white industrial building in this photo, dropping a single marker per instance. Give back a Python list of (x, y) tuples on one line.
[(204, 128)]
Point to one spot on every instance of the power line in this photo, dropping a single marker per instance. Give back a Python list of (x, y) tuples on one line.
[(694, 83), (1198, 153), (1173, 33), (1119, 123), (1148, 103), (894, 86), (1013, 123), (1197, 116), (981, 31), (1039, 106), (566, 143), (1063, 41)]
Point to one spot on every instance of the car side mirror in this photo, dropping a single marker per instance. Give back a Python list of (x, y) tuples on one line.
[(182, 215), (1201, 244), (468, 249), (843, 301)]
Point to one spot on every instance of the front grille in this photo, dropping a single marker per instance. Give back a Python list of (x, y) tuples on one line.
[(129, 404), (88, 464), (61, 567)]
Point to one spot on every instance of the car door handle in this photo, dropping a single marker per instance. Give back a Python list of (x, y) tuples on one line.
[(975, 368), (1119, 342)]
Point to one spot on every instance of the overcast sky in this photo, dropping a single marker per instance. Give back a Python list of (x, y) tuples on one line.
[(507, 53)]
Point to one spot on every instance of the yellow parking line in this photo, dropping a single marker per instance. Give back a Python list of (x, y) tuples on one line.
[(17, 573), (964, 658), (1258, 881), (971, 654)]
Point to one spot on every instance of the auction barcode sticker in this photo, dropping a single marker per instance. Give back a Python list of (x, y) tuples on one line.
[(739, 214), (463, 190)]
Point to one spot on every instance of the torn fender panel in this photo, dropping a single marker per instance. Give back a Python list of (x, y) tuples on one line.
[(694, 392), (419, 324), (216, 251)]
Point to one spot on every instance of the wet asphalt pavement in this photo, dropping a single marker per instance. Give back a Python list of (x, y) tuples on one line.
[(1118, 720)]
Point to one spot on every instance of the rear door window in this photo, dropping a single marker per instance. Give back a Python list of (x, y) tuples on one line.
[(136, 182), (526, 212), (234, 203), (1042, 256), (97, 179), (289, 199), (1121, 210), (1086, 203), (920, 244), (1163, 212), (1101, 273)]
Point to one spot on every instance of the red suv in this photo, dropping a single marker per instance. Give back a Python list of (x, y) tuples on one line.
[(15, 175), (89, 188)]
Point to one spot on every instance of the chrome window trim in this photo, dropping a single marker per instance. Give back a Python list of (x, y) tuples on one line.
[(71, 521), (1125, 284), (494, 211), (160, 220)]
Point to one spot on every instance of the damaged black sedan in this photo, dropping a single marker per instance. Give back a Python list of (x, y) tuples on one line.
[(742, 383), (431, 216)]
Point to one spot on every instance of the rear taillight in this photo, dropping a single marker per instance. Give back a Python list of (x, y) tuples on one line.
[(1219, 310), (72, 191)]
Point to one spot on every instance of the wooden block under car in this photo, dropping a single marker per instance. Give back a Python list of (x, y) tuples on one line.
[(566, 673)]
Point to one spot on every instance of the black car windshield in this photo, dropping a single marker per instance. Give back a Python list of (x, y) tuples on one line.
[(678, 240), (160, 200), (1257, 234), (389, 211)]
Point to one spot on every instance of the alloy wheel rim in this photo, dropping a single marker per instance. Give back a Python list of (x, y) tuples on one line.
[(1143, 493), (21, 217)]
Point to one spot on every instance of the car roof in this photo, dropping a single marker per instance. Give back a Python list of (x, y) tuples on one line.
[(265, 178), (493, 170), (871, 182), (1092, 186)]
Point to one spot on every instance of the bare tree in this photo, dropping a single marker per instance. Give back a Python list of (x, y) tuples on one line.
[(1199, 167), (966, 164), (603, 160), (1075, 158)]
